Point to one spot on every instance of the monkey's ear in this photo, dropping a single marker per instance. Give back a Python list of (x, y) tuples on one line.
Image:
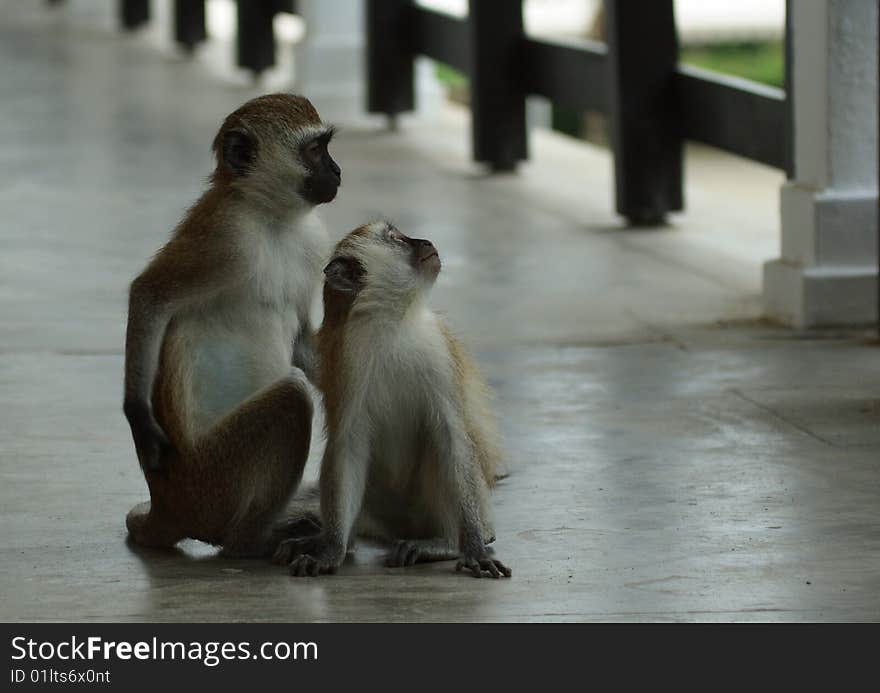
[(344, 274), (239, 149)]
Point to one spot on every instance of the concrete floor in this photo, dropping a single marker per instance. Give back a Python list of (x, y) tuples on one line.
[(671, 458)]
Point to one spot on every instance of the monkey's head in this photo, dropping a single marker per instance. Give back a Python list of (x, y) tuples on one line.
[(376, 268), (275, 148)]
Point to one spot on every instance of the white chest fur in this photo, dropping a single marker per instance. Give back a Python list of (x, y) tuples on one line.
[(401, 380), (243, 341), (285, 263)]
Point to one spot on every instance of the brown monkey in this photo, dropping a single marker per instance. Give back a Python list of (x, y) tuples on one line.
[(411, 441), (218, 344)]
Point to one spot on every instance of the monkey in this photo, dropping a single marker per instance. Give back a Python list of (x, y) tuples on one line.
[(218, 347), (412, 447)]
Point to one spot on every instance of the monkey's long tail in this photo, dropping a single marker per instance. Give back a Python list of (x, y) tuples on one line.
[(146, 529)]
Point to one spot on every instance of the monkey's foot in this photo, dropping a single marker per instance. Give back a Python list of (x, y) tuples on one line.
[(403, 554), (312, 566), (484, 566), (309, 556), (289, 549), (408, 552)]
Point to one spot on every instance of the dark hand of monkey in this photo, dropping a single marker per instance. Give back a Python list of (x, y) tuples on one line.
[(313, 566), (480, 565), (403, 554), (477, 558), (309, 556), (152, 445), (289, 549)]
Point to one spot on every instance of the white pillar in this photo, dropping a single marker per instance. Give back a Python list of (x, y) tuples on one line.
[(827, 274), (330, 62)]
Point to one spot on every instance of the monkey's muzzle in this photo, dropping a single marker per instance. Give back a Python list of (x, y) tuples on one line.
[(427, 257)]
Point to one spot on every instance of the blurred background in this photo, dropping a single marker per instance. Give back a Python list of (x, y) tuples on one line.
[(658, 225)]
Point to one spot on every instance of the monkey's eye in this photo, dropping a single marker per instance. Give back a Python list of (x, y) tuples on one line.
[(314, 151), (395, 236)]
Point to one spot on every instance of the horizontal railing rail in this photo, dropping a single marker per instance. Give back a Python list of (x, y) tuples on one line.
[(441, 37), (736, 115), (569, 73)]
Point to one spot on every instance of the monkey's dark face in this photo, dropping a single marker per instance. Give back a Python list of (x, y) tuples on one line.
[(420, 252), (323, 175), (284, 166)]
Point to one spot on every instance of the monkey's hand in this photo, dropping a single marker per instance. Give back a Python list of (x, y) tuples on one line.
[(154, 450), (483, 565), (404, 553), (289, 549), (309, 556), (312, 566)]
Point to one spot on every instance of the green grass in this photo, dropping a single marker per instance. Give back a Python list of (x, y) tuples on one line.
[(450, 77), (761, 62)]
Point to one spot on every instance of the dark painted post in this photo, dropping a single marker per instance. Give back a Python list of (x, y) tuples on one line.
[(189, 23), (256, 37), (498, 100), (644, 118), (390, 76), (134, 13)]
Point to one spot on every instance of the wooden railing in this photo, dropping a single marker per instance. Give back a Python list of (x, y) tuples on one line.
[(652, 103), (255, 37)]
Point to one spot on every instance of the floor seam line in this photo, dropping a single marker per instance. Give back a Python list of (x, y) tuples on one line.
[(782, 418)]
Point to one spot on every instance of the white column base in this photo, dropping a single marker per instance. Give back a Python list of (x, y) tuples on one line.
[(820, 296), (828, 227), (827, 275)]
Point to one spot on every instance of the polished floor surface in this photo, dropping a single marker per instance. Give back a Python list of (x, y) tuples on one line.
[(671, 457)]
